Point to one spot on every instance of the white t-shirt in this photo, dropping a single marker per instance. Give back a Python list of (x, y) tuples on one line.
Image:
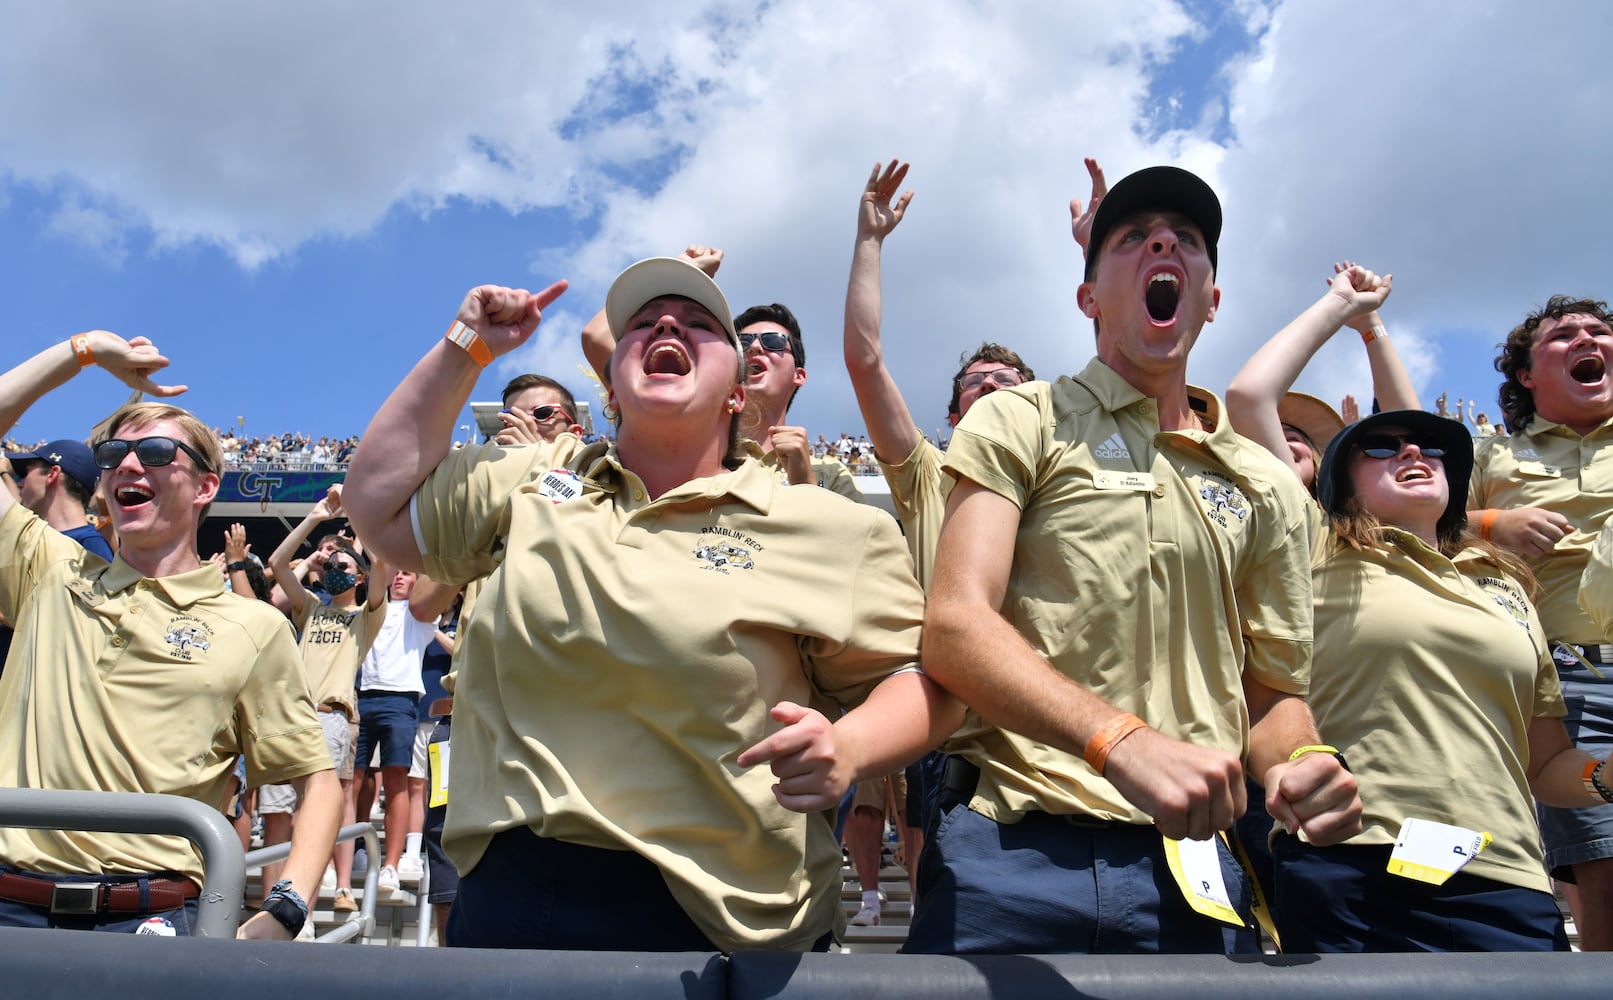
[(393, 662)]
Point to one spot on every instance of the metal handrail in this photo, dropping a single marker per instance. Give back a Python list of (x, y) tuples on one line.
[(425, 912), (218, 910), (365, 924)]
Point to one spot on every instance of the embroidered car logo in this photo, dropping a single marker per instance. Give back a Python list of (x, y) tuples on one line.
[(1508, 598), (722, 555), (1221, 497), (187, 636)]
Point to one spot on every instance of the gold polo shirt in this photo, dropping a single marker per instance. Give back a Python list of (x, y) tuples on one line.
[(623, 651), (1427, 673), (334, 642), (1596, 584), (919, 491), (125, 684), (1549, 465), (1153, 568), (831, 473)]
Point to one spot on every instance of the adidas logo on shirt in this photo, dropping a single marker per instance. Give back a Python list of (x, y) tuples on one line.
[(1526, 453), (1112, 448)]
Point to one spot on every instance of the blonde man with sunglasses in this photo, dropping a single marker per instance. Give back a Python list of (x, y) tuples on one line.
[(157, 679)]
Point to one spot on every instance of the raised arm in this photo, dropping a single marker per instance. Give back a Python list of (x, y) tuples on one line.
[(132, 362), (1081, 219), (1256, 390), (329, 506), (414, 428), (890, 423), (1391, 385)]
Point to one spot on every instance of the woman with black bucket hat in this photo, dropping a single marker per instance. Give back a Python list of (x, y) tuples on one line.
[(1431, 677)]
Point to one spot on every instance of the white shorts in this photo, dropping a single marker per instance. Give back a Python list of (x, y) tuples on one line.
[(422, 737)]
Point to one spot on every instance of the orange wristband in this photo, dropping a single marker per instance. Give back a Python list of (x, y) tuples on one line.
[(1106, 738), (464, 337), (81, 349), (1374, 333), (1487, 523)]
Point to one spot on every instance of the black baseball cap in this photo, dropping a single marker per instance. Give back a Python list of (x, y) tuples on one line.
[(1169, 189)]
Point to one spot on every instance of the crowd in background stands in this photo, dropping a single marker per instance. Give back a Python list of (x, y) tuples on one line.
[(296, 450)]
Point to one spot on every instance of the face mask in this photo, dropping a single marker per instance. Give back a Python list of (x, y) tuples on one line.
[(338, 582)]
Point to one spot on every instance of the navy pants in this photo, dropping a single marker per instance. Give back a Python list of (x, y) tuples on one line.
[(1055, 884), (1343, 899)]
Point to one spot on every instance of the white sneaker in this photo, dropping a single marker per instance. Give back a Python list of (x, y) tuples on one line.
[(307, 933), (410, 869), (327, 882), (868, 916), (387, 880)]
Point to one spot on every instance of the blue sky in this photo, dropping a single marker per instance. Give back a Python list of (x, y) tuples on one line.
[(294, 216)]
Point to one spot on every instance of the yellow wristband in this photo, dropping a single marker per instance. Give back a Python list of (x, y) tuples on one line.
[(1313, 748), (81, 349), (464, 337)]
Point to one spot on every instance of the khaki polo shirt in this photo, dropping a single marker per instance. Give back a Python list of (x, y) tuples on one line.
[(334, 642), (1427, 673), (831, 472), (124, 684), (623, 651), (1152, 568), (919, 491), (1596, 584), (1549, 465)]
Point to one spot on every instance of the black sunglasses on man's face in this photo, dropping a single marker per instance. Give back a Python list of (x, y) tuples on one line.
[(153, 452)]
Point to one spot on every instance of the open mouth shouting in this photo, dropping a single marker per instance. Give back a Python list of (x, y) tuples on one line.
[(1414, 473), (667, 357), (1163, 297), (133, 495), (1588, 369)]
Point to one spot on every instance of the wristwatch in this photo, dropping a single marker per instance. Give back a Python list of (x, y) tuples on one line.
[(238, 566), (286, 906)]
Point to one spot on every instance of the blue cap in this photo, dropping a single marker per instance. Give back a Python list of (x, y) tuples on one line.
[(73, 457)]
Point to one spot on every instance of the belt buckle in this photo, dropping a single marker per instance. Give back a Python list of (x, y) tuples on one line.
[(76, 898)]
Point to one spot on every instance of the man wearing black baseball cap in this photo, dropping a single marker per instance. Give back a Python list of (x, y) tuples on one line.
[(1123, 598), (55, 481)]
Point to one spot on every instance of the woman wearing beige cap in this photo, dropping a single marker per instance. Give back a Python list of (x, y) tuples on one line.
[(643, 752)]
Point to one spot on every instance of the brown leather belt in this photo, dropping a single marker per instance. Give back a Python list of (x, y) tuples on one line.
[(90, 898), (441, 707)]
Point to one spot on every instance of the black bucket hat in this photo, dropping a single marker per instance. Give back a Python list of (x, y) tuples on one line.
[(1333, 486)]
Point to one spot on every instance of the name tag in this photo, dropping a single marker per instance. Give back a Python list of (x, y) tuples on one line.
[(1135, 482), (1432, 852), (1540, 469), (438, 754), (560, 485), (1196, 864)]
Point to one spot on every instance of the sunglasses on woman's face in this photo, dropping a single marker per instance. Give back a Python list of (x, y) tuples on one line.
[(1382, 446), (153, 453)]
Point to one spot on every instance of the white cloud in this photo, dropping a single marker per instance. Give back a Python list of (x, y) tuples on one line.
[(1462, 151)]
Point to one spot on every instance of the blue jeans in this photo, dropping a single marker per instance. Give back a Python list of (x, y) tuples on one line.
[(181, 920), (1343, 899), (1055, 884), (387, 719), (1574, 836)]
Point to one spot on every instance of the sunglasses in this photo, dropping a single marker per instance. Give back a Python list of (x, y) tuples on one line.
[(547, 410), (1003, 378), (153, 452), (20, 470), (772, 340), (1381, 446)]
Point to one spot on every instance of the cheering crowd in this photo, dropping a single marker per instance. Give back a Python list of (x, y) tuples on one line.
[(1157, 665)]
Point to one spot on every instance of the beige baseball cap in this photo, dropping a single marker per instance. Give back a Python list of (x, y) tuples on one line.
[(657, 277)]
